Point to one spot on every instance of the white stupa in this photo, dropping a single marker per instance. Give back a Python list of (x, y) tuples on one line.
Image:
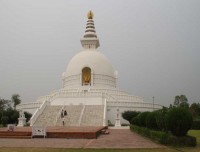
[(89, 93)]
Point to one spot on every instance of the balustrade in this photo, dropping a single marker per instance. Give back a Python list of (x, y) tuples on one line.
[(38, 112), (133, 104)]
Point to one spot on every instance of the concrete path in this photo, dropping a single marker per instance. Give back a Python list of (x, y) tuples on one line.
[(118, 138)]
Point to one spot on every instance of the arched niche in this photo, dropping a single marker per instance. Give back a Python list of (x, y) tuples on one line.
[(86, 76)]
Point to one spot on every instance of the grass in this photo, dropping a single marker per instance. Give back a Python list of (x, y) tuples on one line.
[(195, 133), (82, 150)]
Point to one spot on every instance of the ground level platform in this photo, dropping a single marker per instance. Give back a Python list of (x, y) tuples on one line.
[(117, 138), (54, 132)]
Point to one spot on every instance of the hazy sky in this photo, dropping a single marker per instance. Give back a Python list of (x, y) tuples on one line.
[(153, 44)]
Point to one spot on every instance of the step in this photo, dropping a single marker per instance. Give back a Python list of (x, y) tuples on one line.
[(16, 137)]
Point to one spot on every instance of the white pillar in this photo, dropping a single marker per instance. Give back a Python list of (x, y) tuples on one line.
[(21, 119), (117, 119)]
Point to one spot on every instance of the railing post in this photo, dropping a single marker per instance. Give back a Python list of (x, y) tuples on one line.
[(104, 114)]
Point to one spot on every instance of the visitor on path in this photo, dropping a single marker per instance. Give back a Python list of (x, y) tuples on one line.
[(62, 114), (63, 121), (65, 113)]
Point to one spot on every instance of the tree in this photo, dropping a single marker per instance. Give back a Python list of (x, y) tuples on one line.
[(160, 118), (4, 120), (12, 115), (178, 121), (184, 105), (16, 100), (181, 101), (4, 104), (128, 115), (151, 120), (135, 121), (177, 100), (142, 118), (7, 113), (195, 109), (27, 116)]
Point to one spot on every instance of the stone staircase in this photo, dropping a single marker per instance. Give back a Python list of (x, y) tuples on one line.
[(77, 115), (73, 115), (48, 117), (92, 115)]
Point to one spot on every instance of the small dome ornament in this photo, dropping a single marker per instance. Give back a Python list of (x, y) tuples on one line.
[(90, 15)]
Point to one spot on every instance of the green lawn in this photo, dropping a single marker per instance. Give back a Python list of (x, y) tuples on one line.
[(195, 133)]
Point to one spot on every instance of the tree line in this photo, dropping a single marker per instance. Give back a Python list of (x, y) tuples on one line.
[(178, 118), (8, 112)]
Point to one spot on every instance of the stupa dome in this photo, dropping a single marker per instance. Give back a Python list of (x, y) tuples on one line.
[(89, 67), (93, 59)]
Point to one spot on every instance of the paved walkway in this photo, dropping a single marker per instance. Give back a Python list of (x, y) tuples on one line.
[(118, 138)]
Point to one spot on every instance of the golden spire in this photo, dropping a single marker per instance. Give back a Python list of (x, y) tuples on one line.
[(90, 15)]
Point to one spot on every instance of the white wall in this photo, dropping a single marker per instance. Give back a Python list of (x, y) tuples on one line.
[(112, 113), (78, 101)]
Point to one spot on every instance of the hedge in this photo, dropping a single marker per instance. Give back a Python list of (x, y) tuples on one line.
[(160, 119), (182, 141), (142, 118), (196, 125), (128, 115), (155, 135), (151, 120), (179, 121), (164, 137), (135, 121)]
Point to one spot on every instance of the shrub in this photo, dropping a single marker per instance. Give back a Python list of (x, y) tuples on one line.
[(27, 124), (151, 120), (28, 116), (110, 123), (135, 121), (182, 141), (128, 115), (141, 130), (142, 119), (4, 120), (161, 137), (160, 119), (124, 124), (178, 121), (164, 137), (196, 125)]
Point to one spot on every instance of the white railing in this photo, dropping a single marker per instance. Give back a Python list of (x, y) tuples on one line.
[(38, 112), (146, 105), (119, 94), (81, 115), (33, 118), (73, 94), (104, 114), (30, 105), (112, 95)]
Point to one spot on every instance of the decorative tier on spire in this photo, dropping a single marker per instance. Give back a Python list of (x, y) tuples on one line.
[(90, 40)]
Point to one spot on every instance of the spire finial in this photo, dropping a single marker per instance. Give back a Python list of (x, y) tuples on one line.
[(90, 40), (90, 15)]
